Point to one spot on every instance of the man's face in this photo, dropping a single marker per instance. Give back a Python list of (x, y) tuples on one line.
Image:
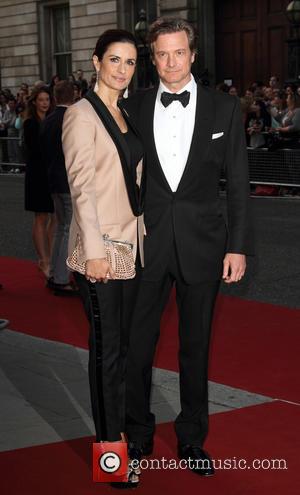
[(269, 93), (79, 74), (173, 59), (12, 105)]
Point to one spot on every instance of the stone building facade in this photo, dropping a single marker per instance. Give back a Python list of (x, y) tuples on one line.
[(239, 40), (43, 37)]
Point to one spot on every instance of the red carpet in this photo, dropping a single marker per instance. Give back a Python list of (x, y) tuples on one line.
[(33, 309), (255, 346), (262, 432)]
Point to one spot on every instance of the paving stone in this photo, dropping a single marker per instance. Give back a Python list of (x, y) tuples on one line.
[(45, 393)]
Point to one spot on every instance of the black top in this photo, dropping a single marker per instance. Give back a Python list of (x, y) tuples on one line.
[(37, 194), (52, 151), (135, 147)]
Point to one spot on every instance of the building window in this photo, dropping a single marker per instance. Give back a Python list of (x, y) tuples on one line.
[(55, 43), (61, 41)]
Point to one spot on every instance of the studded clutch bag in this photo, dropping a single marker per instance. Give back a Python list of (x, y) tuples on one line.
[(119, 255)]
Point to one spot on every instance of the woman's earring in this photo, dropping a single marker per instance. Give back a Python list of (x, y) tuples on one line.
[(126, 93), (97, 80)]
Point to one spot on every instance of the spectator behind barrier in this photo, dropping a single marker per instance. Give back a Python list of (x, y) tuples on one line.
[(233, 91), (9, 121), (77, 91), (274, 82), (54, 80), (258, 121), (93, 80), (3, 130), (291, 119), (82, 82), (278, 109), (222, 87)]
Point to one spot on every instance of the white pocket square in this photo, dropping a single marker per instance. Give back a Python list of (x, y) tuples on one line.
[(217, 135)]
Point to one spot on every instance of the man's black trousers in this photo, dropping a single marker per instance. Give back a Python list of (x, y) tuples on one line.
[(195, 307)]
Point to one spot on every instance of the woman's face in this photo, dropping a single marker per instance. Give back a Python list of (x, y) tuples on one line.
[(22, 95), (255, 107), (290, 101), (76, 92), (42, 102), (117, 65), (248, 93)]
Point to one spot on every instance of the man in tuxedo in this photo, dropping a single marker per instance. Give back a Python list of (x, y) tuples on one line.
[(51, 131), (190, 133)]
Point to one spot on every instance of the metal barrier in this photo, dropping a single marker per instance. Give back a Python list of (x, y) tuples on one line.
[(11, 155), (280, 167)]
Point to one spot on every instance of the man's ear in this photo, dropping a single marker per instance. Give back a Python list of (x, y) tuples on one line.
[(193, 56)]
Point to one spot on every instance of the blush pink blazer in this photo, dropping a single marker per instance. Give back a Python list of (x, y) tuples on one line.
[(98, 190)]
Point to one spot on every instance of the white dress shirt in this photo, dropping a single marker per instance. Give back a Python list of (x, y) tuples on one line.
[(173, 131)]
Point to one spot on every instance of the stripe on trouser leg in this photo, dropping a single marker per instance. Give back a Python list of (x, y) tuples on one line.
[(98, 365)]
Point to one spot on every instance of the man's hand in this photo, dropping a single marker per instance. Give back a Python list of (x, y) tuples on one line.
[(234, 266)]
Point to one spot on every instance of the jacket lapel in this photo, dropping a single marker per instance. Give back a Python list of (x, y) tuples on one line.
[(201, 140), (110, 125), (121, 145), (204, 122)]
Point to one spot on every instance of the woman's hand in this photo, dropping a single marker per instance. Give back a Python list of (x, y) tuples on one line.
[(284, 129), (99, 270)]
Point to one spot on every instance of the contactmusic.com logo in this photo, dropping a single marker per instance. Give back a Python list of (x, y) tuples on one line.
[(110, 461)]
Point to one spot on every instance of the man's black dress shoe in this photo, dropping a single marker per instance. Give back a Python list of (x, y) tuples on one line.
[(146, 448), (197, 459)]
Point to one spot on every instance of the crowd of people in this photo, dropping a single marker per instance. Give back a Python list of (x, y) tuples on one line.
[(271, 114), (14, 112)]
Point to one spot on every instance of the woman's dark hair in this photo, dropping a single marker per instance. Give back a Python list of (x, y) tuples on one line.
[(31, 107), (113, 36), (223, 87), (264, 114), (281, 94), (290, 85), (296, 99), (71, 78), (52, 83)]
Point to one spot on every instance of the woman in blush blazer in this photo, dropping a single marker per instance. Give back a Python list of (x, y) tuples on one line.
[(103, 156)]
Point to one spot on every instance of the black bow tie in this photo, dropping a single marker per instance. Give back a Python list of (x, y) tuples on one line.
[(167, 98)]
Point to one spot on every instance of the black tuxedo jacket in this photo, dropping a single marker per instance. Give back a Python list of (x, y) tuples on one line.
[(50, 134), (192, 215)]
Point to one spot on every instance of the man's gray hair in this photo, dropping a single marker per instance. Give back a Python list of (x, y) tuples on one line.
[(167, 25)]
